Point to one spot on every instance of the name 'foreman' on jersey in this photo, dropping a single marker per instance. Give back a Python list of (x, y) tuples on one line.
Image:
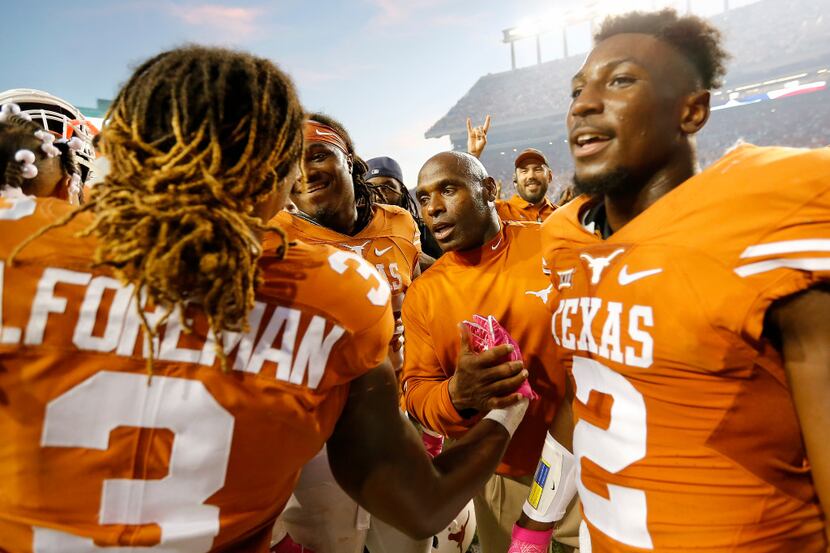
[(96, 454), (686, 435)]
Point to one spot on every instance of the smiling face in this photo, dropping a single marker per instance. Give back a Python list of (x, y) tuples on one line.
[(329, 193), (625, 119), (457, 202), (532, 180)]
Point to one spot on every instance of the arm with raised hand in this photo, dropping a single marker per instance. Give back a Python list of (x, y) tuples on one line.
[(379, 459)]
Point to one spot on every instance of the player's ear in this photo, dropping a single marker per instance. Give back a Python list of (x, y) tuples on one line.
[(695, 112), (488, 186), (63, 188)]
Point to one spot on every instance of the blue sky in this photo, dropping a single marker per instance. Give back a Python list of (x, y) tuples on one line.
[(387, 69)]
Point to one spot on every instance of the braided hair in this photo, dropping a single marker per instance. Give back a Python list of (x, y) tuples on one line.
[(364, 196), (18, 133), (196, 138), (408, 203)]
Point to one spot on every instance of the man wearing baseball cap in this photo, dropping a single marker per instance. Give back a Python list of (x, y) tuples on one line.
[(532, 177), (385, 178)]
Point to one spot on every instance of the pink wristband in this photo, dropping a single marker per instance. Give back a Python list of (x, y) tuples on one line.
[(532, 537)]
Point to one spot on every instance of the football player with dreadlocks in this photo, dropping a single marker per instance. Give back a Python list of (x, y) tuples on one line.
[(259, 352), (336, 207)]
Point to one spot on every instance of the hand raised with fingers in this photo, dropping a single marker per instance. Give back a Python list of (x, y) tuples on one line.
[(477, 137)]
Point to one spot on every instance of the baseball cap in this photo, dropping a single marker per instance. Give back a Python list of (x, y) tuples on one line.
[(383, 167), (530, 153)]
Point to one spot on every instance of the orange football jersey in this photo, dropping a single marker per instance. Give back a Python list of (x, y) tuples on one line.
[(391, 242), (504, 278), (519, 209), (686, 435), (96, 454)]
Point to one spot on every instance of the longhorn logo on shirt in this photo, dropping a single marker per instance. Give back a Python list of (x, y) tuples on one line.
[(357, 250), (599, 264), (458, 537), (541, 294)]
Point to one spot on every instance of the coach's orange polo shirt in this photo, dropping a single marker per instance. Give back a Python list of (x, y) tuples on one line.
[(503, 278), (519, 209)]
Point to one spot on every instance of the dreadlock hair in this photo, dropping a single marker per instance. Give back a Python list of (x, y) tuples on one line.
[(17, 133), (196, 138), (364, 196), (697, 39), (70, 165), (408, 203)]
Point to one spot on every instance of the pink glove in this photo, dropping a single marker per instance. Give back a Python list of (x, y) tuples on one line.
[(529, 541), (487, 333)]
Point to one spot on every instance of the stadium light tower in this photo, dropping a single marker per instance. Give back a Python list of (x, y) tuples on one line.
[(534, 29), (520, 32), (555, 19), (591, 11)]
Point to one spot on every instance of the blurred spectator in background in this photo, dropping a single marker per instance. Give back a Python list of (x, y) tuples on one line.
[(385, 179), (33, 162), (532, 177), (64, 121)]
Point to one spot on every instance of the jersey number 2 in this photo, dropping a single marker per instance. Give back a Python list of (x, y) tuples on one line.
[(623, 515), (84, 417)]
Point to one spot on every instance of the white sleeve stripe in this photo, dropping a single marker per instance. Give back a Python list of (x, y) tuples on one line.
[(802, 264), (787, 246)]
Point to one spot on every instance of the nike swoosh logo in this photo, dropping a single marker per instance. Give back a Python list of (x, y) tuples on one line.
[(625, 278), (380, 253), (497, 244), (321, 133)]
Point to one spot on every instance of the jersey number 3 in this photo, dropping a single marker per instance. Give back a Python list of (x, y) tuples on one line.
[(84, 417), (623, 515), (378, 295)]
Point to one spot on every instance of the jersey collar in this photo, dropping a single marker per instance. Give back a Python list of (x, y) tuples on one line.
[(489, 250)]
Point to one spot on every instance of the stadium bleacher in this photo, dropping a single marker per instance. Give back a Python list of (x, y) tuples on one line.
[(769, 41)]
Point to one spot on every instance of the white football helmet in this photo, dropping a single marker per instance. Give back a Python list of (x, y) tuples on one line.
[(457, 537), (59, 117)]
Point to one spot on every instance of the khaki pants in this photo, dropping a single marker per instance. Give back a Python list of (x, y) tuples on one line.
[(498, 507)]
